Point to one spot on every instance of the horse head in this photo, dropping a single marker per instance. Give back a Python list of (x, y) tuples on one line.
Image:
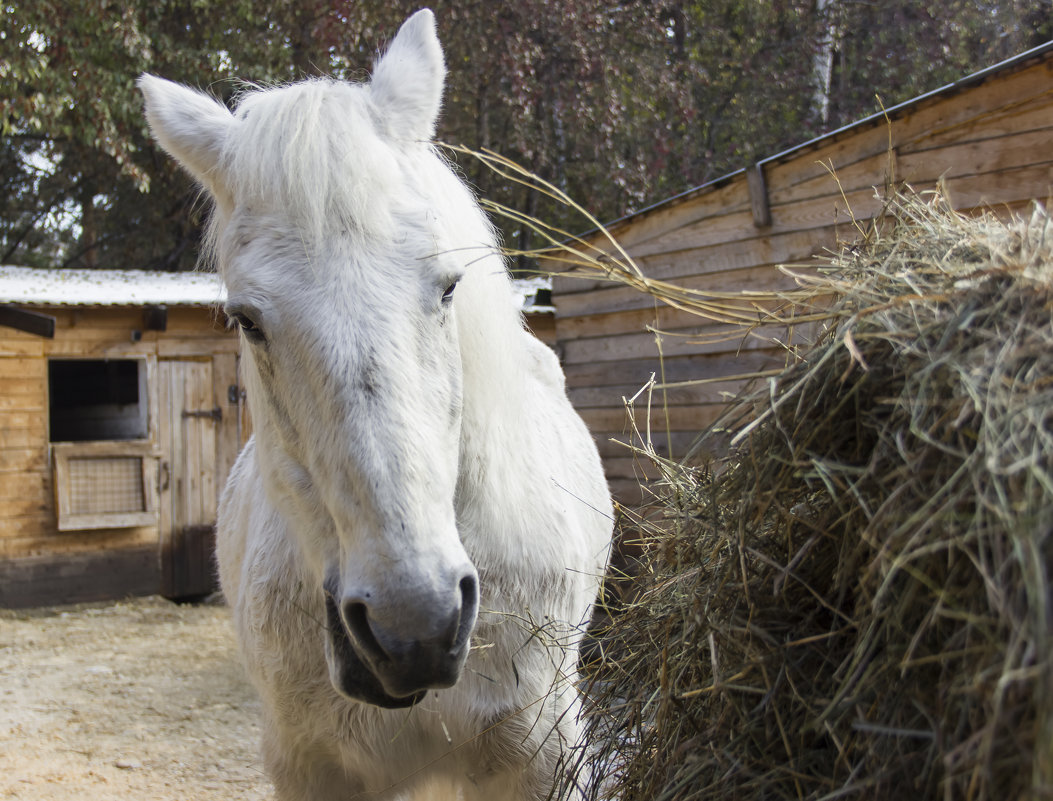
[(329, 227)]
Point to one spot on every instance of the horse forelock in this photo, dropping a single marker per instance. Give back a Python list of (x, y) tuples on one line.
[(312, 150), (314, 154)]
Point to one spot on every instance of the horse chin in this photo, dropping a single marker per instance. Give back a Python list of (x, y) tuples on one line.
[(350, 675)]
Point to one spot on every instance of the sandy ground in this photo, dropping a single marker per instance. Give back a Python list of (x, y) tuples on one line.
[(142, 699)]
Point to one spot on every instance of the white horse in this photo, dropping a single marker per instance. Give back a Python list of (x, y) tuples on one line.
[(414, 537)]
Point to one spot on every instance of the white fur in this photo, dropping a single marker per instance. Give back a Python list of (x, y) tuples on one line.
[(398, 444)]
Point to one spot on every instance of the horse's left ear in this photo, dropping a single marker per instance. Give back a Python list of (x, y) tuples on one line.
[(408, 79)]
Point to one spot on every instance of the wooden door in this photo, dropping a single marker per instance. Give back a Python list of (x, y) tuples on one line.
[(189, 432)]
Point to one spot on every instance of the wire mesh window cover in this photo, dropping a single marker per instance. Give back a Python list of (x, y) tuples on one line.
[(106, 485)]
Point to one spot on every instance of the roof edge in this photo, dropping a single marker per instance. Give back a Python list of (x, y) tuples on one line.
[(948, 90)]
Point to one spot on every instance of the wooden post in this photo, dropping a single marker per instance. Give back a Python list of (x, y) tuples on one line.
[(758, 189)]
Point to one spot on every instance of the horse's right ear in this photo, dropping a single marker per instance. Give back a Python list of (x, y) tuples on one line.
[(190, 125), (408, 79)]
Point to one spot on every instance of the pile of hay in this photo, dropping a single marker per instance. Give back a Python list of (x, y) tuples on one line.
[(856, 603)]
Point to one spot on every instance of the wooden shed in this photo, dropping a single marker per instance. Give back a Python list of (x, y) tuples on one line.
[(120, 416), (988, 137)]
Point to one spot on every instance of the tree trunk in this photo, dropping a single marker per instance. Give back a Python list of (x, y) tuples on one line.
[(524, 262), (823, 63), (89, 227)]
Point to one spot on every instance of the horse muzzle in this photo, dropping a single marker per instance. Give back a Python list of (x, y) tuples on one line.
[(391, 657)]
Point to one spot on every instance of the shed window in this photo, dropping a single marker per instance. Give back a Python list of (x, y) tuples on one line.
[(97, 399), (105, 484), (105, 462)]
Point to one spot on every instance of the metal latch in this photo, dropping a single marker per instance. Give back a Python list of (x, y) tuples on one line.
[(216, 415)]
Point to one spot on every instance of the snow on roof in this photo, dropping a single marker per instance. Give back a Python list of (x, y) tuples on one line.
[(528, 289), (31, 285), (40, 287)]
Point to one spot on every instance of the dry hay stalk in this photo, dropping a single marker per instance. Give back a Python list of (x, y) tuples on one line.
[(599, 256), (856, 603)]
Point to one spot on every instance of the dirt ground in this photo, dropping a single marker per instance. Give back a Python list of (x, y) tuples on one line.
[(142, 699)]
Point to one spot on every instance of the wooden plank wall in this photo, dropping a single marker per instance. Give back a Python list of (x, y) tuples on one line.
[(992, 145), (35, 558)]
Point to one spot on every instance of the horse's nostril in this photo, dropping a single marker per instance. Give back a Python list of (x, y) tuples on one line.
[(469, 609), (356, 618)]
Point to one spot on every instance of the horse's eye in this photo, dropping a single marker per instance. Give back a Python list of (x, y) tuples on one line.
[(447, 294), (248, 326)]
